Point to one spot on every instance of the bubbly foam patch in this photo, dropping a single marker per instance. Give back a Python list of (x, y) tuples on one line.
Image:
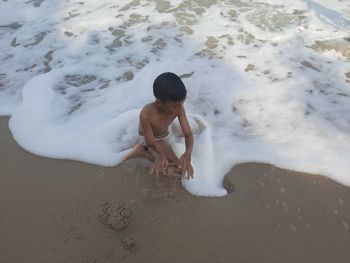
[(268, 81)]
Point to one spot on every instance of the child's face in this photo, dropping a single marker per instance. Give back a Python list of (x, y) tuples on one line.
[(173, 107)]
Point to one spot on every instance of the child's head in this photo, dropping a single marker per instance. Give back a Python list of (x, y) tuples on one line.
[(168, 87)]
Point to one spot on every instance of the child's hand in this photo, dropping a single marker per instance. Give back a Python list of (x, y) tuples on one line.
[(185, 165), (159, 165)]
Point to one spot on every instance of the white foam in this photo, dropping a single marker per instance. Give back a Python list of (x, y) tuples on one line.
[(74, 80)]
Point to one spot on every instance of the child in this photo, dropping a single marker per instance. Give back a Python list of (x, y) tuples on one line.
[(155, 119)]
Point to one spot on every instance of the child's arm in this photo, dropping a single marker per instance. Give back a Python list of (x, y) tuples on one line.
[(185, 159)]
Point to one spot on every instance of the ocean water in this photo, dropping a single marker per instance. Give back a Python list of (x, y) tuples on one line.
[(268, 81)]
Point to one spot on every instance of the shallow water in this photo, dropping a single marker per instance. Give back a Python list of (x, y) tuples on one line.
[(268, 79)]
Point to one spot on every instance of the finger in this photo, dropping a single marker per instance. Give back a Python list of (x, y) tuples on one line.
[(181, 166), (184, 167), (189, 172), (151, 170), (157, 173), (163, 168)]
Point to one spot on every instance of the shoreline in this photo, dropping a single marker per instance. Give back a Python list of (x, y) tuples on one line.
[(52, 209)]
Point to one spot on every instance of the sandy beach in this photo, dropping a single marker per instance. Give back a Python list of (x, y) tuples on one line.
[(68, 211), (267, 84)]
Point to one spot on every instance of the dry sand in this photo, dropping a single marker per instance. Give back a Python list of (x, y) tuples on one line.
[(68, 211)]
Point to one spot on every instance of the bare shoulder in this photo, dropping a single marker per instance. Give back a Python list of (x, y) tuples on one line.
[(147, 111)]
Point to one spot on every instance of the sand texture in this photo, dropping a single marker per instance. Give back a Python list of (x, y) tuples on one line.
[(68, 211)]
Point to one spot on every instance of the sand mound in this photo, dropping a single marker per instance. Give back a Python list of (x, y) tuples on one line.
[(116, 216)]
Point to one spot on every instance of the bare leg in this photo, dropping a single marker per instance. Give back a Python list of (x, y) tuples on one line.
[(139, 151), (165, 148), (167, 151)]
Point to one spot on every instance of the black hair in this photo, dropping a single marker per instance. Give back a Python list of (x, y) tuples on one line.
[(168, 87)]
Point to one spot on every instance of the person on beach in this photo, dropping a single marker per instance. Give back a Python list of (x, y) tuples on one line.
[(155, 119)]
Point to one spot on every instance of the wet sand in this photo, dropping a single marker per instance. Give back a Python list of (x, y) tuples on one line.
[(68, 211)]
